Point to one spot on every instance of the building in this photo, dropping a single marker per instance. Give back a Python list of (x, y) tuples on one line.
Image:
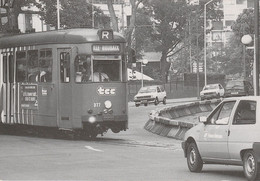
[(221, 31), (32, 22)]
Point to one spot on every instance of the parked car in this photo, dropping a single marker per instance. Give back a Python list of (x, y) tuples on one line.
[(229, 135), (212, 91), (150, 94), (239, 88)]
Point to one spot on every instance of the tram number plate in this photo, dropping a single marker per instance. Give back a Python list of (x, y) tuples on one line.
[(97, 104)]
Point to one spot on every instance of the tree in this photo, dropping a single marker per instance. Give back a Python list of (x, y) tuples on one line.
[(112, 14), (170, 18), (131, 27), (73, 14), (143, 32), (234, 51), (12, 12)]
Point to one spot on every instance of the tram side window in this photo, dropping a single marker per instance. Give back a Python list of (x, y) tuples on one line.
[(11, 68), (82, 66), (65, 67), (5, 68), (45, 65), (124, 71), (33, 69), (21, 67)]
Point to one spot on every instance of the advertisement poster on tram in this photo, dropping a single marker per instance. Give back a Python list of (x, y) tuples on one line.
[(29, 96)]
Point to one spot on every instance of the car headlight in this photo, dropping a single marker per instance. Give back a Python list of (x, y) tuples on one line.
[(108, 104)]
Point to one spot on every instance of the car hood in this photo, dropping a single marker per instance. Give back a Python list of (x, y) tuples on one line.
[(143, 94)]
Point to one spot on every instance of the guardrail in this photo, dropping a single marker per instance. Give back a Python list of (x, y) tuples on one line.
[(165, 121)]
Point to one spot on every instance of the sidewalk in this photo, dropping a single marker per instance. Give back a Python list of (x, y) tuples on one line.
[(171, 101)]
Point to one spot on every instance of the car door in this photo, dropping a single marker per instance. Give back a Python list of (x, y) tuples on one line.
[(241, 130), (213, 139)]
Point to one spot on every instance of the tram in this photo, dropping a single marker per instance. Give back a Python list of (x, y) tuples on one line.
[(73, 79)]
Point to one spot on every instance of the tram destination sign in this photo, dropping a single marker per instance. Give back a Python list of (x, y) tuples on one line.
[(100, 48), (29, 96)]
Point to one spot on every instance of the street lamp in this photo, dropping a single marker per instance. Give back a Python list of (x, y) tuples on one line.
[(205, 42), (143, 63)]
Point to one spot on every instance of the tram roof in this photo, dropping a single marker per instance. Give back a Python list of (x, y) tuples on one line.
[(67, 36)]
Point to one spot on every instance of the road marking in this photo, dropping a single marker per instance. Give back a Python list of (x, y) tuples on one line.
[(93, 149)]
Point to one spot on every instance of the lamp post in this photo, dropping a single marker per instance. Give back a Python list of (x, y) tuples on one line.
[(143, 63), (205, 42), (246, 40)]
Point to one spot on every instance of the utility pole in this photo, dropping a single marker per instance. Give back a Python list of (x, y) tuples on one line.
[(256, 11), (58, 14), (197, 44)]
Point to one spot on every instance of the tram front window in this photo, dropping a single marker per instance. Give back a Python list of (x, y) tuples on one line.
[(88, 70), (106, 71)]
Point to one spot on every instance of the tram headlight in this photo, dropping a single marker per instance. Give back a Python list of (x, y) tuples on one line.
[(92, 119), (108, 104)]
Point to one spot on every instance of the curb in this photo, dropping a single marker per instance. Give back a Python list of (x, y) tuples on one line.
[(165, 121)]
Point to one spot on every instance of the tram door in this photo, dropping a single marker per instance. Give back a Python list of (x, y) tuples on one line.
[(65, 89), (8, 88)]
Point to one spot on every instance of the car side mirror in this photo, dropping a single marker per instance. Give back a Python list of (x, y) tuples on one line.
[(203, 119)]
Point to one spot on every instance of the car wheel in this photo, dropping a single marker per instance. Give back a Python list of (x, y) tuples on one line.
[(164, 100), (137, 105), (250, 166), (156, 101), (194, 160), (145, 104), (218, 96)]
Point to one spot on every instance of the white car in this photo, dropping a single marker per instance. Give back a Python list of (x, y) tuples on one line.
[(212, 91), (150, 94), (230, 135)]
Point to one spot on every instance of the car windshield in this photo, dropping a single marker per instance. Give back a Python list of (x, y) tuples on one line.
[(233, 84), (208, 87), (147, 89)]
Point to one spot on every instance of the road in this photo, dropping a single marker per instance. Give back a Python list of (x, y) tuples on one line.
[(134, 155)]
